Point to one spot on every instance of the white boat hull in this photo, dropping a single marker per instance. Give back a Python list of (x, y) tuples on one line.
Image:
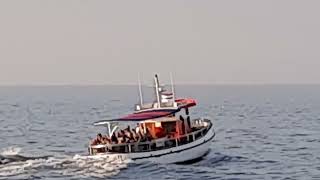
[(179, 154)]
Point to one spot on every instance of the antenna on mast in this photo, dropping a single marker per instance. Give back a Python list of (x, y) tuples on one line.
[(172, 88), (156, 81), (140, 90)]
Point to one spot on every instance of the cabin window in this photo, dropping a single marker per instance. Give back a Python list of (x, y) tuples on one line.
[(169, 127)]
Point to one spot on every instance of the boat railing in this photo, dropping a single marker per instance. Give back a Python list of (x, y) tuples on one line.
[(156, 144)]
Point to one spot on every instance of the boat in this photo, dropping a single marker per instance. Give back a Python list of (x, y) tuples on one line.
[(169, 134)]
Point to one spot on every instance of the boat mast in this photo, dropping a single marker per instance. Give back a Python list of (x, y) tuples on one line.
[(140, 91), (156, 81), (172, 89)]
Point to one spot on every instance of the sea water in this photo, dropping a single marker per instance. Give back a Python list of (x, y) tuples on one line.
[(262, 132)]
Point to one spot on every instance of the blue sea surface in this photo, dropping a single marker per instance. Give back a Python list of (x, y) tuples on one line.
[(262, 132)]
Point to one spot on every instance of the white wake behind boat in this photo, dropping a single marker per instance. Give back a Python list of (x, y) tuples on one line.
[(173, 137)]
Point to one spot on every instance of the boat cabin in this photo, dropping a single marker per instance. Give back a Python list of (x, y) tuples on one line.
[(165, 127), (161, 133), (163, 124)]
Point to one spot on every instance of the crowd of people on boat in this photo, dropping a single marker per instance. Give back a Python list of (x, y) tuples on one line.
[(126, 135)]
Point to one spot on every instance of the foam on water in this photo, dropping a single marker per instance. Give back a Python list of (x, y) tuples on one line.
[(10, 151), (76, 166)]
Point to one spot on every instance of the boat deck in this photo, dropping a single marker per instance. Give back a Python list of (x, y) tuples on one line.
[(199, 129)]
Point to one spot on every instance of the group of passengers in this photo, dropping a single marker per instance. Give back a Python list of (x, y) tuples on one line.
[(127, 135)]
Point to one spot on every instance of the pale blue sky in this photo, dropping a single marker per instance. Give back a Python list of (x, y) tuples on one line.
[(109, 42)]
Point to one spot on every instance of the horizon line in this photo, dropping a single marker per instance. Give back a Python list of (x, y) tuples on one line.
[(133, 84)]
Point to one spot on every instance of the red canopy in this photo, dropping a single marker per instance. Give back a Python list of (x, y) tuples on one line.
[(154, 113), (186, 103)]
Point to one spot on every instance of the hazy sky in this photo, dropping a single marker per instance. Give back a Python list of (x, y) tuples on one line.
[(102, 42)]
